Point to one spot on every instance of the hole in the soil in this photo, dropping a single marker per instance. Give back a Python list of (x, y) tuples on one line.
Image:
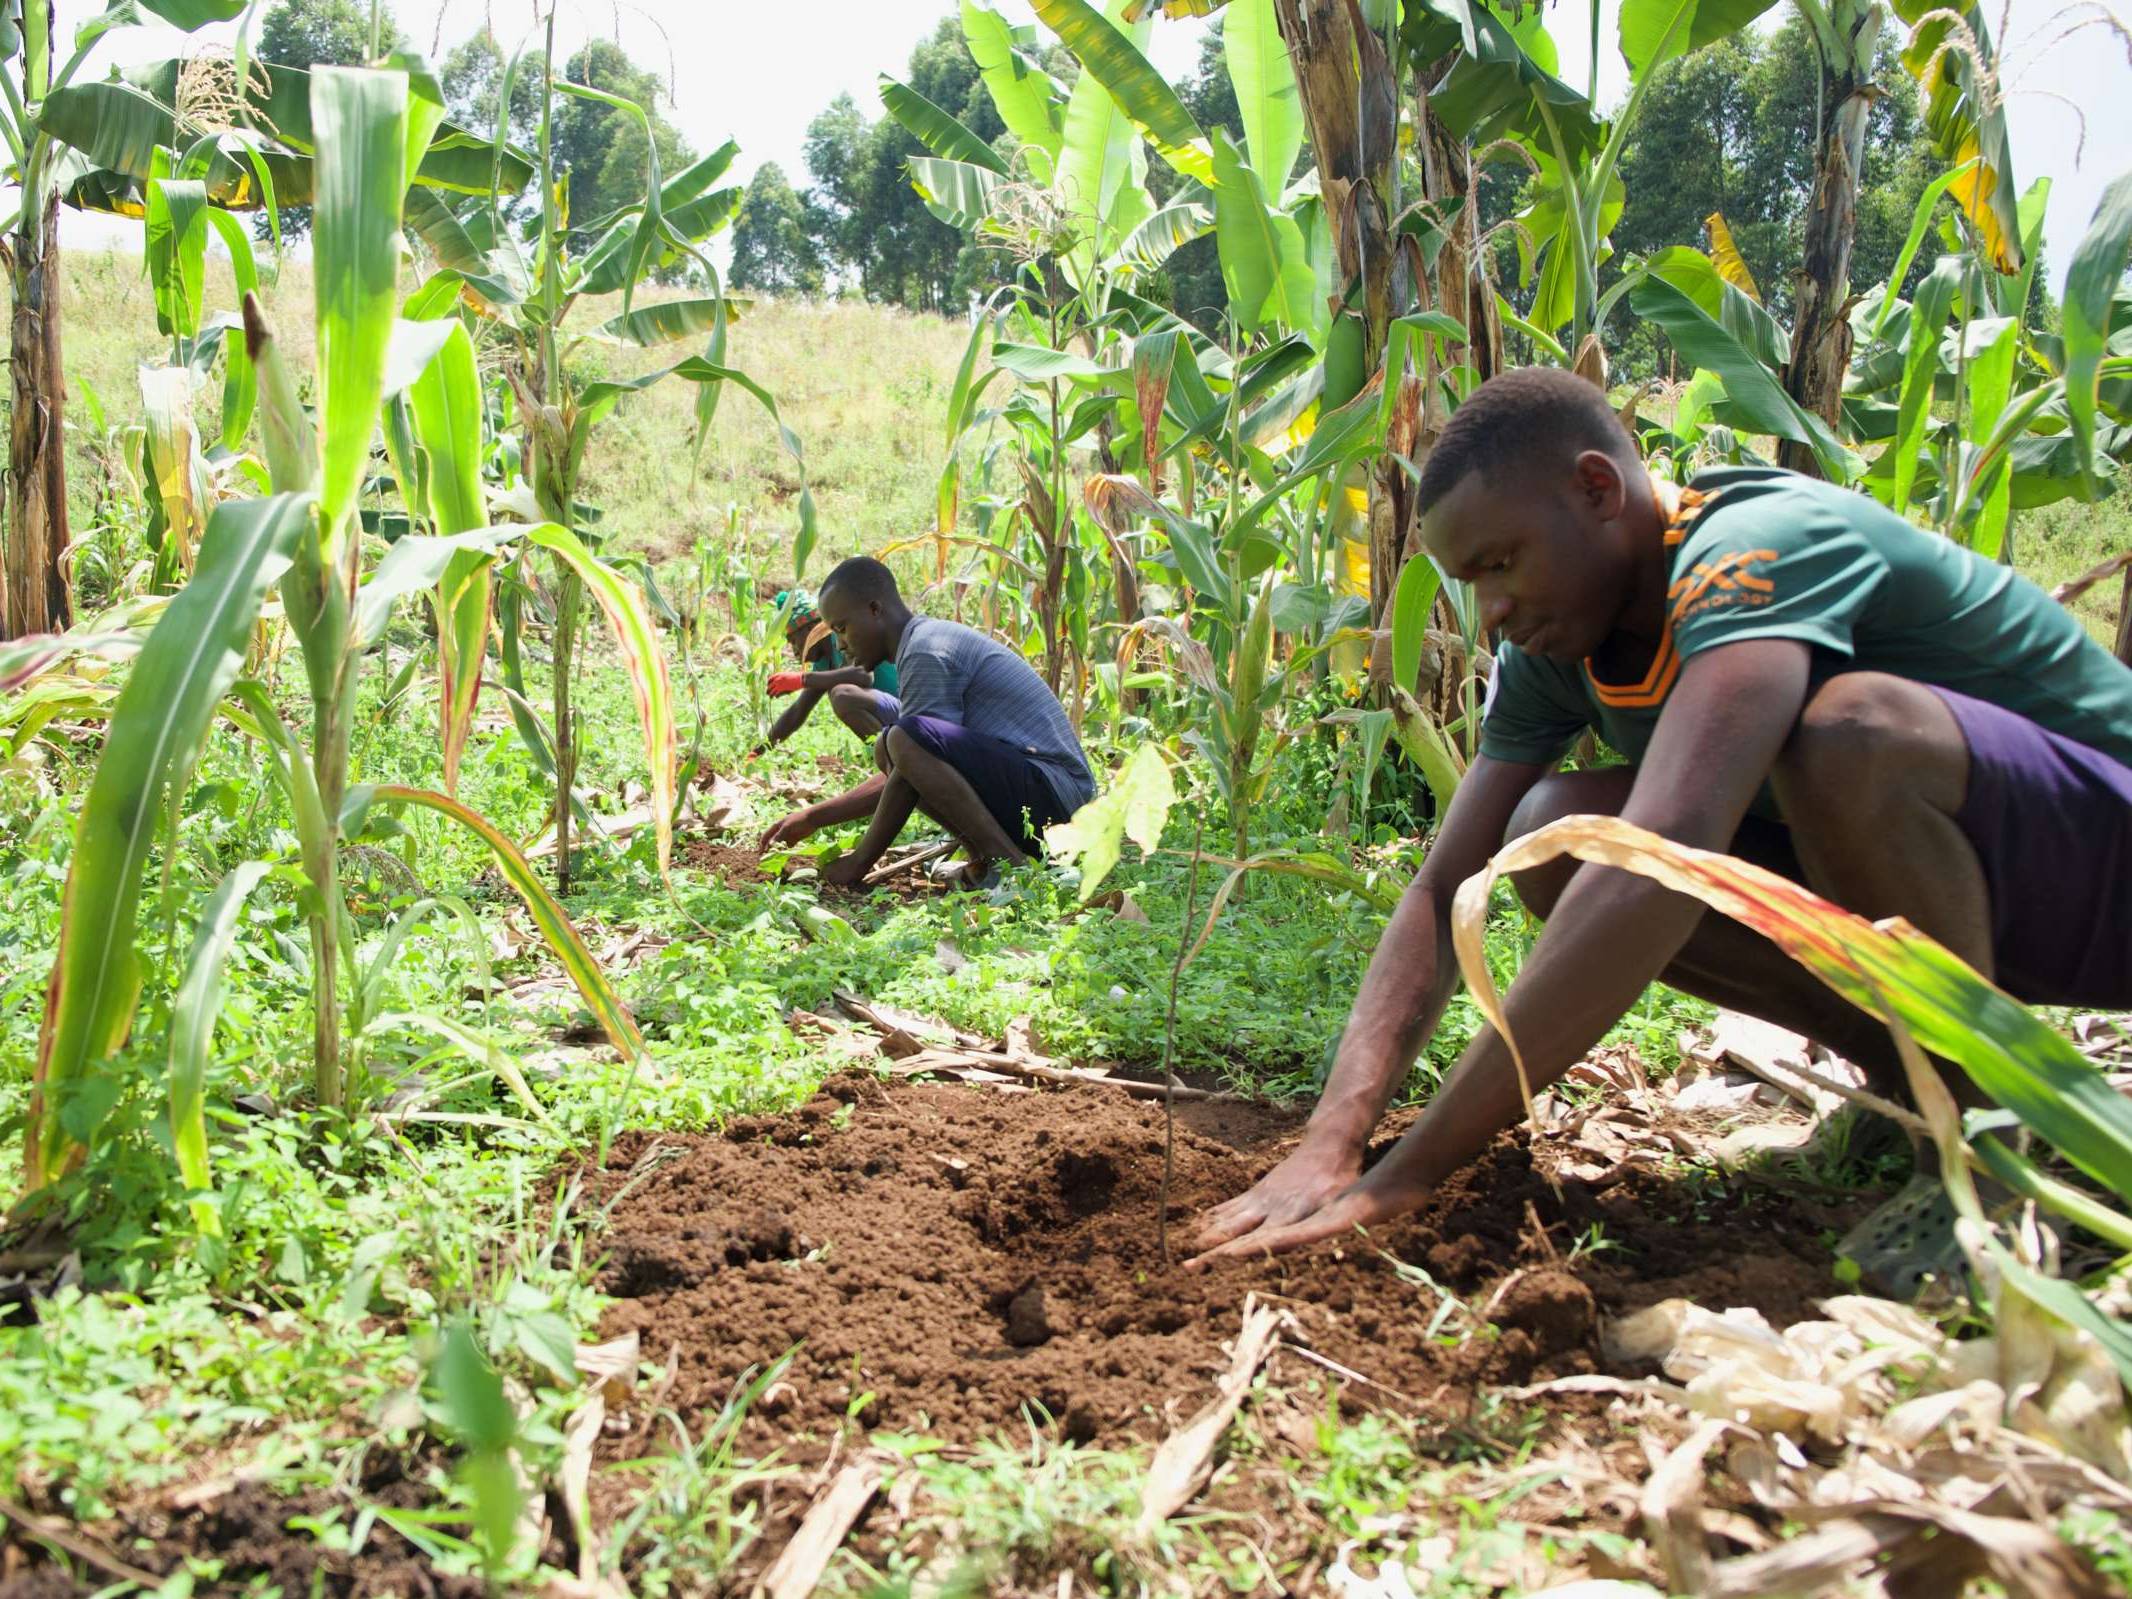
[(1085, 1181), (1028, 1322)]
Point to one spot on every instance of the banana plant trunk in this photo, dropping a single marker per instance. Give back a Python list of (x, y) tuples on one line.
[(1350, 94), (34, 595), (1821, 326)]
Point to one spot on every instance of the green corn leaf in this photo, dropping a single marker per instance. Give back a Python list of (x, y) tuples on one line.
[(240, 384), (1112, 57), (361, 119), (1267, 98), (1412, 601), (176, 247), (1921, 368), (1025, 97), (192, 1029), (1920, 221), (446, 402), (185, 666), (2090, 284), (936, 129), (548, 916), (637, 638)]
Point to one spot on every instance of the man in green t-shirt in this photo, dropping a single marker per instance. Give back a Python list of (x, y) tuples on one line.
[(1797, 676), (864, 701)]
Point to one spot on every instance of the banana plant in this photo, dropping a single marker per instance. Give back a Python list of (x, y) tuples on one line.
[(301, 542)]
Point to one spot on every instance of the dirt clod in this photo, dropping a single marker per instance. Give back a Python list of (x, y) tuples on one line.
[(1027, 1325), (1554, 1307)]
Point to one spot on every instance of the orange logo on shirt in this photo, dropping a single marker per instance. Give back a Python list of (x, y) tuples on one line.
[(1725, 581)]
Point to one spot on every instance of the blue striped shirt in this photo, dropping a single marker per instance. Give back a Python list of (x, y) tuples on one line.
[(959, 675)]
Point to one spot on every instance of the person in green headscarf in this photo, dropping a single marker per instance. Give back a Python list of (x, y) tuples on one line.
[(863, 700)]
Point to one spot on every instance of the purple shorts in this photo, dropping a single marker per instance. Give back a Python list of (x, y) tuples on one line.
[(1007, 778), (2051, 821)]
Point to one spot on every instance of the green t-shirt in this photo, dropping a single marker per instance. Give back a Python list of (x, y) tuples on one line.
[(1771, 554)]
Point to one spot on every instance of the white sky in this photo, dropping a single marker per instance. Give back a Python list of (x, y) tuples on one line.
[(760, 73)]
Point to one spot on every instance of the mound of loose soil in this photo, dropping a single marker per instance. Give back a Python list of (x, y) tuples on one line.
[(947, 1258), (731, 863)]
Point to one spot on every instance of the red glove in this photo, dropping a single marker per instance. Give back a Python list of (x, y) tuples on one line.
[(787, 682)]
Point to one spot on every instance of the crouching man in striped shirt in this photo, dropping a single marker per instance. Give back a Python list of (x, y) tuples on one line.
[(977, 741)]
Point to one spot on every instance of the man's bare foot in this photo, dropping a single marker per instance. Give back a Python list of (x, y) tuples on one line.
[(969, 875)]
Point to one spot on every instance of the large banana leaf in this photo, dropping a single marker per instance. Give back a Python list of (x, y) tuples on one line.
[(1021, 92), (1267, 99), (935, 129), (2091, 281), (1503, 82), (957, 192), (1263, 260), (1757, 400), (1114, 60), (186, 665), (1654, 32), (361, 117), (1165, 233), (692, 183), (1966, 118), (667, 321), (1101, 168), (193, 14)]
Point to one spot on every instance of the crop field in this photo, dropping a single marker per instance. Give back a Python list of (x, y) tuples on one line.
[(489, 1112)]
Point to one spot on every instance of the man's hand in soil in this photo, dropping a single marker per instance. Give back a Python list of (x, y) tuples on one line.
[(846, 871), (788, 830), (1298, 1188), (1361, 1204)]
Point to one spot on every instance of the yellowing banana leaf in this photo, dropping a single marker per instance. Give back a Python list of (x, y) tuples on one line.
[(554, 923), (1725, 254), (1966, 119), (186, 665), (1114, 60)]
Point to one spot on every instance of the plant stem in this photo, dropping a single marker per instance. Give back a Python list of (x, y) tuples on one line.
[(1169, 1044)]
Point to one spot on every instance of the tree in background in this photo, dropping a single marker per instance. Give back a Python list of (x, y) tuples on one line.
[(773, 242), (472, 77), (604, 148), (872, 226), (1731, 130), (309, 33)]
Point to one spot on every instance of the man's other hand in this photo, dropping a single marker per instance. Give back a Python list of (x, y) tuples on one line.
[(1361, 1204), (1294, 1189), (782, 683), (846, 871), (786, 831)]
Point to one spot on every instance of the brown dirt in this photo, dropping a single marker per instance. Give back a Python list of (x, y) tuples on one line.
[(951, 1299), (731, 863), (247, 1530)]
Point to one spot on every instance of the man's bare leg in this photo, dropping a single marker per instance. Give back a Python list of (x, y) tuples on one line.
[(946, 796), (858, 709)]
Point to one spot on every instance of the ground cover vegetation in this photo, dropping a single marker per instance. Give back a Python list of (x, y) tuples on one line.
[(457, 1159)]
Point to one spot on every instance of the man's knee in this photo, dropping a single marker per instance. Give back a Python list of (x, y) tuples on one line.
[(897, 747), (1863, 734), (1590, 793)]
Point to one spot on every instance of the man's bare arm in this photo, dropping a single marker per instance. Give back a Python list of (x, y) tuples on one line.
[(1411, 979), (1611, 933)]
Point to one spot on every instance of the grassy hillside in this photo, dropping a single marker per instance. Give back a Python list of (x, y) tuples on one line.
[(864, 386)]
